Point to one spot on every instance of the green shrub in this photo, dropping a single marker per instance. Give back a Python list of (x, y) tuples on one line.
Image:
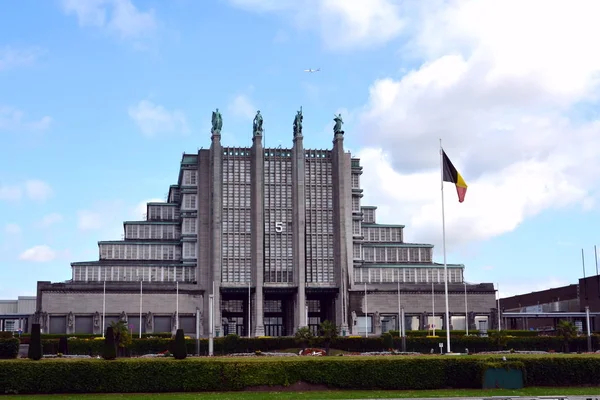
[(9, 348), (442, 333), (236, 344), (303, 337), (359, 373), (388, 341), (179, 348), (109, 350), (35, 343), (63, 346)]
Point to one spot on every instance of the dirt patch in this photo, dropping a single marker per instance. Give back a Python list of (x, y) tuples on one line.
[(295, 387)]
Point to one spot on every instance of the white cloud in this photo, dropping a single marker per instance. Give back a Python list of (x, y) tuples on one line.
[(342, 24), (41, 253), (154, 119), (12, 229), (242, 106), (51, 219), (12, 119), (38, 190), (88, 220), (503, 103), (108, 216), (118, 16), (34, 189), (10, 192), (13, 58)]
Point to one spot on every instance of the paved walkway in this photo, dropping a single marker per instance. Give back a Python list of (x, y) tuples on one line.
[(595, 397)]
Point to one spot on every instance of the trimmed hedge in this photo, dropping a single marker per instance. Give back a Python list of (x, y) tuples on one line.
[(25, 337), (9, 348), (517, 333), (202, 374), (235, 344)]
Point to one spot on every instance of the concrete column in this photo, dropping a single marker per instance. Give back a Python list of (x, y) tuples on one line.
[(204, 266), (342, 220), (216, 212), (258, 231), (299, 228)]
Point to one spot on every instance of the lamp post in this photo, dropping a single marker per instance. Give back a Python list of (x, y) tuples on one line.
[(466, 312), (589, 331)]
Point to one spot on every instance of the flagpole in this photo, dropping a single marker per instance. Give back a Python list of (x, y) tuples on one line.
[(141, 281), (249, 304), (103, 307), (177, 305), (400, 321), (432, 309), (366, 313), (444, 249)]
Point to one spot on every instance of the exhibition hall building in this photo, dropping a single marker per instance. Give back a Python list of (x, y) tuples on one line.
[(274, 239)]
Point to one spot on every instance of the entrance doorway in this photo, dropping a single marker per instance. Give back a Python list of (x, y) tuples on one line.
[(320, 308), (234, 315)]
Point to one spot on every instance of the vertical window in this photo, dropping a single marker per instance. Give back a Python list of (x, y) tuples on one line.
[(355, 204), (190, 177), (189, 250), (189, 202), (189, 225), (355, 181), (356, 228), (356, 251)]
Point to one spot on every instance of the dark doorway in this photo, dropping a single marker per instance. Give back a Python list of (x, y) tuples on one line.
[(234, 315), (320, 308)]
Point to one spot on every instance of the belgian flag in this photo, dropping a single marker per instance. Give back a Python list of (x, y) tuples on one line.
[(452, 175)]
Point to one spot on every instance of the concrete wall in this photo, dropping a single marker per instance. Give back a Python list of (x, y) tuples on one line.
[(569, 292), (589, 293), (88, 303), (387, 302)]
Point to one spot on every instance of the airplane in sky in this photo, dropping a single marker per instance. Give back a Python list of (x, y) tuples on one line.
[(312, 70)]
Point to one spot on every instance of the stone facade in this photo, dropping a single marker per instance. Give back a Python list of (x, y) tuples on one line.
[(278, 237)]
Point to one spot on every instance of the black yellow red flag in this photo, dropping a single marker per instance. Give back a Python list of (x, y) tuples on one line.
[(451, 174)]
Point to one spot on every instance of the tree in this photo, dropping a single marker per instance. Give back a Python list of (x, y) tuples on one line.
[(303, 337), (179, 347), (122, 336), (109, 351), (63, 346), (566, 330), (35, 344), (328, 331), (388, 341), (500, 338)]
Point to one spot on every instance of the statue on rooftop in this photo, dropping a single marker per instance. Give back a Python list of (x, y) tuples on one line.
[(217, 121), (338, 124), (257, 124), (298, 123)]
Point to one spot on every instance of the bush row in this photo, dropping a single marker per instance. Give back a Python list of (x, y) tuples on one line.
[(9, 348), (235, 344), (25, 337), (517, 333), (195, 375)]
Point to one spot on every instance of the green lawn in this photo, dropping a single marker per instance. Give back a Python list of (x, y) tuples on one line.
[(319, 395)]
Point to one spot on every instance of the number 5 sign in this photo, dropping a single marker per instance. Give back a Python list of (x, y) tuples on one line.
[(278, 227)]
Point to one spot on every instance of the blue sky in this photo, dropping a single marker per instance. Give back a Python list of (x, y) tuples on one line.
[(99, 98)]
